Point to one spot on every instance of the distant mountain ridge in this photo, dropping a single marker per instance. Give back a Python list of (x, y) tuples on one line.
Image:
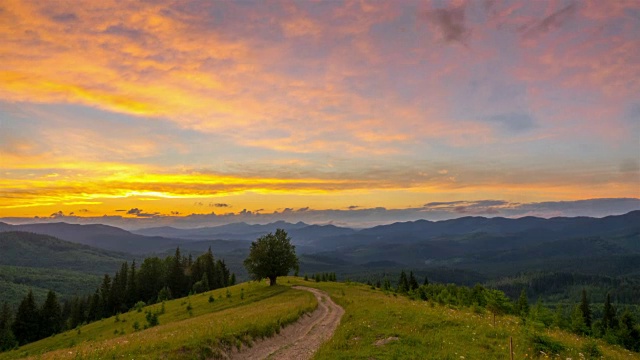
[(440, 239), (465, 250), (99, 236), (20, 248), (236, 231)]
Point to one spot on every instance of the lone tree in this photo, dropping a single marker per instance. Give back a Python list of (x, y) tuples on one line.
[(497, 303), (271, 256)]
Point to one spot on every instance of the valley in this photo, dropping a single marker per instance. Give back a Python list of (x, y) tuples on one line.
[(551, 261)]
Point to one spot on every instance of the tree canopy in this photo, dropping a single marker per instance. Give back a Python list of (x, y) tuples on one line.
[(271, 255)]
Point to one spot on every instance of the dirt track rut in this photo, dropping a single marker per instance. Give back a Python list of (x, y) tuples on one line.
[(301, 339)]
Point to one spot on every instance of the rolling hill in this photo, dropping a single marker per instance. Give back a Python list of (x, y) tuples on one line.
[(376, 324), (99, 236), (41, 263), (465, 250), (26, 249)]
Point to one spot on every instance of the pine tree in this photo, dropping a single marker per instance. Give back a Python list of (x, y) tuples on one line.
[(119, 289), (66, 313), (226, 274), (105, 297), (132, 288), (426, 280), (94, 311), (27, 320), (559, 319), (233, 279), (609, 314), (7, 339), (586, 310), (78, 315), (151, 279), (205, 282), (413, 283), (114, 293), (5, 316), (386, 285), (51, 316), (522, 306), (578, 325), (209, 266), (176, 279), (403, 283)]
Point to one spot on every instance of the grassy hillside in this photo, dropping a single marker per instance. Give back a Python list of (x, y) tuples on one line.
[(376, 325), (189, 327), (383, 326)]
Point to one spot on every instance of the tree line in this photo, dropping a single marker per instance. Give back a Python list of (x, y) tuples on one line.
[(567, 286), (609, 323), (155, 280)]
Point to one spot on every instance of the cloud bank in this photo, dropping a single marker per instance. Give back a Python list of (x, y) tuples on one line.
[(358, 217)]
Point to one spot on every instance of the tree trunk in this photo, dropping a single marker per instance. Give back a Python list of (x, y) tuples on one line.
[(272, 280)]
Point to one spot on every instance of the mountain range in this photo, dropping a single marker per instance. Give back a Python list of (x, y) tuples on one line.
[(465, 250)]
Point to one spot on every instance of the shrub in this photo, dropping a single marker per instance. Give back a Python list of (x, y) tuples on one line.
[(591, 350), (546, 344), (152, 319), (139, 305), (211, 299)]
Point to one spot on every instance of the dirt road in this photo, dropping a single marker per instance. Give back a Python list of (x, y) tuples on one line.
[(301, 339)]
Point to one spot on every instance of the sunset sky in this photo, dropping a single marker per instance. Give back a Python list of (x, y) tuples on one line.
[(165, 111)]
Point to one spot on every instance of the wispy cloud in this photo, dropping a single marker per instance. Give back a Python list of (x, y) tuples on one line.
[(551, 22), (202, 100)]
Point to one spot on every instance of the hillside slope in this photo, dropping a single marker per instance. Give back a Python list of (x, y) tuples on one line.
[(376, 325), (26, 249), (192, 327)]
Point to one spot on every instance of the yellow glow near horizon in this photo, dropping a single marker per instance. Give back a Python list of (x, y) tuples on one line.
[(111, 106)]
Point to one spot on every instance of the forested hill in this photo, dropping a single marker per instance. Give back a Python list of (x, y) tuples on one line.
[(99, 236), (40, 263), (21, 248)]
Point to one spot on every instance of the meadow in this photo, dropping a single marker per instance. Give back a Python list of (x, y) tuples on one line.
[(379, 325), (191, 327), (376, 325)]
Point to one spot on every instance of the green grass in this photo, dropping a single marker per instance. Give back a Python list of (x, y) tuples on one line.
[(413, 329), (425, 330), (203, 330)]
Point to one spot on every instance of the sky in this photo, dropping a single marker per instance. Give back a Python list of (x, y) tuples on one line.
[(352, 112)]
